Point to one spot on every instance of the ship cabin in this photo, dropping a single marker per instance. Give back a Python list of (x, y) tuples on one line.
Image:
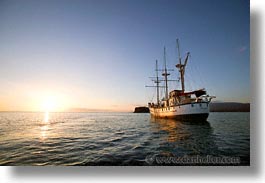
[(177, 97)]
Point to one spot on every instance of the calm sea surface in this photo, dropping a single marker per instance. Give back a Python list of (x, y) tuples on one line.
[(118, 138)]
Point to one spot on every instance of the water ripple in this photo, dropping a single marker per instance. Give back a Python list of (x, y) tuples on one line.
[(116, 138)]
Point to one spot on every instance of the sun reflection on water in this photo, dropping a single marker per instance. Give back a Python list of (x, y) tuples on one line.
[(45, 126), (46, 117)]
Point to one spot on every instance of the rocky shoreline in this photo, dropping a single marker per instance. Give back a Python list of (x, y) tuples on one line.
[(141, 110)]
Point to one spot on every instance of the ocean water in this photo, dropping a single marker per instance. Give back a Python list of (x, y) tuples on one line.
[(121, 139)]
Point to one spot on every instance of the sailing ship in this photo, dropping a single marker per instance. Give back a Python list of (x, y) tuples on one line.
[(179, 104)]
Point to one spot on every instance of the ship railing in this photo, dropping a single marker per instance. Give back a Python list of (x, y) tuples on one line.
[(204, 98)]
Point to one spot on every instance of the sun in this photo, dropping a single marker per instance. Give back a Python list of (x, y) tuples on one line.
[(50, 103)]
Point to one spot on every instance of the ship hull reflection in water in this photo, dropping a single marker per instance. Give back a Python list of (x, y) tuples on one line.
[(184, 138)]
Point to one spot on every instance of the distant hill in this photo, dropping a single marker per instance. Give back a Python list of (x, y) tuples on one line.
[(229, 107)]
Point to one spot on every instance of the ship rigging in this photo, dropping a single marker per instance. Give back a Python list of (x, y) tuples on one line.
[(179, 103)]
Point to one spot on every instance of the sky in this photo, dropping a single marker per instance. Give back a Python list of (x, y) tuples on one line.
[(99, 54)]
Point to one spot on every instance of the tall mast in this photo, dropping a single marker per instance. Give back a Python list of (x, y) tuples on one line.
[(165, 74), (157, 84), (181, 67), (178, 51), (157, 81)]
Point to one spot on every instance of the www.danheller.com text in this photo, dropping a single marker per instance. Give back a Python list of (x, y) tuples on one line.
[(194, 159)]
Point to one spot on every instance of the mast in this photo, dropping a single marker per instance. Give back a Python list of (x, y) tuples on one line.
[(157, 81), (157, 84), (178, 51), (165, 74), (181, 67)]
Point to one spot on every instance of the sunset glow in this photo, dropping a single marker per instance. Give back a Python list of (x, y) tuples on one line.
[(50, 104), (99, 56)]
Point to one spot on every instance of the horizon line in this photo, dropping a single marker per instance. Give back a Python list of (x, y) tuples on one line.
[(87, 110)]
